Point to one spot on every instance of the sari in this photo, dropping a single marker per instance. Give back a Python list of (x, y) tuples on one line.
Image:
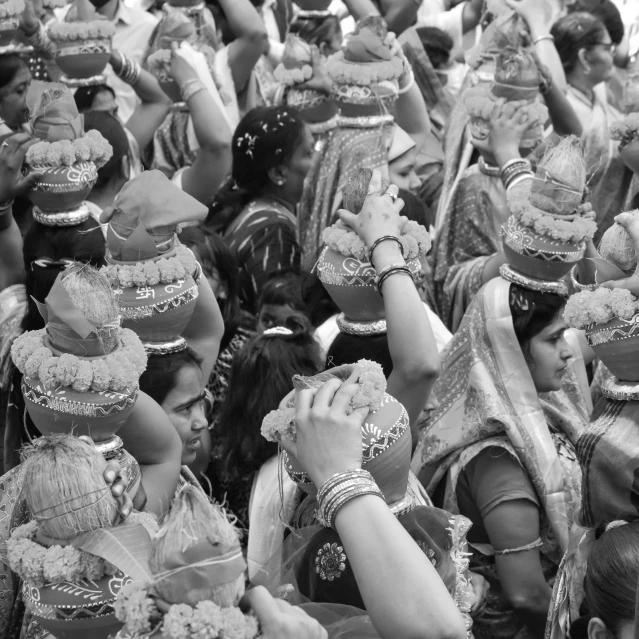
[(608, 451), (485, 397), (468, 238), (608, 177), (356, 142)]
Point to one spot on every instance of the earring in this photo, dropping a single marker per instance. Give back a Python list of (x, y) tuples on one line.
[(280, 182)]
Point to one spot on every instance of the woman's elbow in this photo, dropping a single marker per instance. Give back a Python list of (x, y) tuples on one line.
[(257, 38)]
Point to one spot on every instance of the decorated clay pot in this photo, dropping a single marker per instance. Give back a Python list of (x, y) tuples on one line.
[(616, 344), (83, 59), (539, 257), (63, 188), (8, 29), (158, 313), (357, 101), (312, 105), (77, 610), (386, 440), (351, 284), (630, 155), (96, 414)]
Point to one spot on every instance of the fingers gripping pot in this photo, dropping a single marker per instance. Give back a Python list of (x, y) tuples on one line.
[(385, 431), (344, 267), (74, 556)]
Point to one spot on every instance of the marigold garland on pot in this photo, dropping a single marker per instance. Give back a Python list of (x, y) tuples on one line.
[(118, 371), (152, 272)]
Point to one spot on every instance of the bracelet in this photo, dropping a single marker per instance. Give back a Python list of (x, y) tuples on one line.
[(524, 175), (543, 37), (129, 69), (577, 285), (339, 489), (190, 88), (513, 166), (384, 238), (387, 272), (409, 85)]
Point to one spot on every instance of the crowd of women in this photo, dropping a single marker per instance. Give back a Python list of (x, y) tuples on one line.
[(382, 259)]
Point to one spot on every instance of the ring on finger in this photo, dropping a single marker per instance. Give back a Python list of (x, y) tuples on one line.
[(392, 193), (5, 143)]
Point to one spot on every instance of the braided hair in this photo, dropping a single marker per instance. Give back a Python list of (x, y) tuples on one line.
[(265, 137)]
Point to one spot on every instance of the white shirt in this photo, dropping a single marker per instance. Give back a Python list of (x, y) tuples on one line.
[(133, 28)]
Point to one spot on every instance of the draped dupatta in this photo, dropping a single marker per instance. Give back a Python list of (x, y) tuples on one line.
[(486, 390)]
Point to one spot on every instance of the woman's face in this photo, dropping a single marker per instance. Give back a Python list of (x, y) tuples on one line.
[(184, 406), (299, 166), (13, 99), (548, 355), (600, 60), (402, 171)]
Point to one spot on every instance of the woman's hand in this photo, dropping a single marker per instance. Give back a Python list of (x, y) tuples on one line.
[(380, 215), (12, 181), (113, 478), (30, 17), (480, 589), (320, 81), (328, 439), (508, 122), (278, 619), (631, 224), (536, 13), (180, 70)]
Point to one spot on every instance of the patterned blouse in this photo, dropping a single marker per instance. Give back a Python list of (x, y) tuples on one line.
[(264, 241)]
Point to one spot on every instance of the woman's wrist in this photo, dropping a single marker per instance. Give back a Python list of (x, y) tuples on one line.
[(505, 153), (385, 254)]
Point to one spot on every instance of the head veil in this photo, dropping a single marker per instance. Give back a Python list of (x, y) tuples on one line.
[(486, 391)]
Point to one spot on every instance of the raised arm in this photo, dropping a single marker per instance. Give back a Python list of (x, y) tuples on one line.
[(154, 103), (213, 160), (151, 438), (12, 184), (402, 592), (250, 41), (542, 42), (206, 327), (411, 341), (399, 14)]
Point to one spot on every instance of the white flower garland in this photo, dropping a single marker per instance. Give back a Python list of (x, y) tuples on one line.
[(118, 371)]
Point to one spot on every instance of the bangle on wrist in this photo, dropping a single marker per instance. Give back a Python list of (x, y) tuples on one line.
[(129, 71), (386, 272), (384, 238), (542, 38), (341, 488), (190, 88)]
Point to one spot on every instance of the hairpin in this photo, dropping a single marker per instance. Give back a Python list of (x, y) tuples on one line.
[(277, 331), (615, 524)]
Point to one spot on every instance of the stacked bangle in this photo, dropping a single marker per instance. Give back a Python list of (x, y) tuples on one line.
[(514, 171), (542, 38), (190, 88), (129, 70), (577, 285), (389, 270), (384, 238), (408, 85), (339, 489)]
